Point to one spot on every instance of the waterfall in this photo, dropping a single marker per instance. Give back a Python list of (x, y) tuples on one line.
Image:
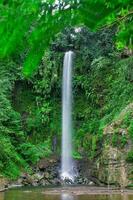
[(67, 166)]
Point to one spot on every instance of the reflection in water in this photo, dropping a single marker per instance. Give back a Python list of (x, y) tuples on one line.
[(43, 194), (125, 197), (2, 196), (122, 196), (67, 196)]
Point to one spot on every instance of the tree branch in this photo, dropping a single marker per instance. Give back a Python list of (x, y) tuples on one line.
[(117, 20)]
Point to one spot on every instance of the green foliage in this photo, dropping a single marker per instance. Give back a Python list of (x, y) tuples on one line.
[(17, 151), (109, 92), (29, 26), (130, 129), (10, 160), (33, 153), (130, 185), (128, 122), (129, 157), (115, 140), (76, 155), (94, 146), (119, 140)]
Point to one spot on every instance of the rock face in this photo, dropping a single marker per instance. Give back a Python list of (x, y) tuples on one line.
[(3, 183), (112, 167), (47, 172)]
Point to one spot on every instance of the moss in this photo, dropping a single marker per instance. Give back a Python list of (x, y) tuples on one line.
[(129, 157), (130, 130), (130, 185)]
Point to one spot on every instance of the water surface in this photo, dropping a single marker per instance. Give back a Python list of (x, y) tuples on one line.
[(79, 193)]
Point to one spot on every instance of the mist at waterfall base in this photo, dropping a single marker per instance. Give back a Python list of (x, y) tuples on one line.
[(68, 168)]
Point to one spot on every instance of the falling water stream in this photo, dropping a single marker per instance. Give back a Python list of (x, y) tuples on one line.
[(67, 166)]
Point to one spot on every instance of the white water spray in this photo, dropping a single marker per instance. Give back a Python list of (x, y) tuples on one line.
[(67, 165)]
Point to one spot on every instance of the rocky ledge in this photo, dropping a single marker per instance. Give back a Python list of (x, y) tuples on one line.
[(47, 172)]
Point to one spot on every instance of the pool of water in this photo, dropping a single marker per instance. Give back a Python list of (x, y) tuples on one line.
[(66, 193)]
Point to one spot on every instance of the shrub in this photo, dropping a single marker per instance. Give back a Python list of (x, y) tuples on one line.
[(129, 157), (130, 129)]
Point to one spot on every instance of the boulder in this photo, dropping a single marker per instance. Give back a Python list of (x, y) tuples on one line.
[(3, 183)]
